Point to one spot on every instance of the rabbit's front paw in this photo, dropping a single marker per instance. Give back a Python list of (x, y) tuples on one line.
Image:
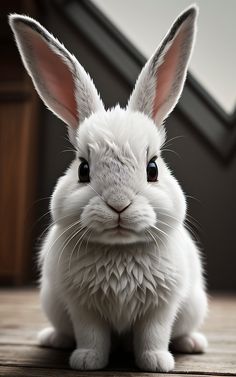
[(192, 343), (85, 359), (49, 337), (156, 361)]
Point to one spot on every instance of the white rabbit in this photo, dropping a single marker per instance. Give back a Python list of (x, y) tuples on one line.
[(117, 257)]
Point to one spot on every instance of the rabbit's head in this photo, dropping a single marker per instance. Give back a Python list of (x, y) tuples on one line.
[(118, 189)]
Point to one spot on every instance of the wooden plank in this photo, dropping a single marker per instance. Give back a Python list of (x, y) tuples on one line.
[(45, 372), (33, 356), (221, 362), (21, 318)]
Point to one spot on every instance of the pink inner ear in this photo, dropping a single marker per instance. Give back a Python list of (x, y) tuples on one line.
[(57, 80), (166, 73)]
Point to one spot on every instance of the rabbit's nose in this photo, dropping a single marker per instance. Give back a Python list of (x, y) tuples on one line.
[(118, 208)]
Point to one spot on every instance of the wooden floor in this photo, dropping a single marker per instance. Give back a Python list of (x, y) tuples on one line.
[(21, 318)]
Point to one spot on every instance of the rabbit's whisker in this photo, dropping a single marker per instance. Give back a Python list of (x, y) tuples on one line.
[(172, 139), (61, 234), (195, 235), (88, 239), (52, 223), (74, 248), (96, 192), (68, 240), (170, 150)]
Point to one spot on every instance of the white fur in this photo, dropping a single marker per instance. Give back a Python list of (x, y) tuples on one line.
[(144, 278)]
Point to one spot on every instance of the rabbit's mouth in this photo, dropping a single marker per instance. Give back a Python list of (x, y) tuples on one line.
[(119, 235), (121, 230)]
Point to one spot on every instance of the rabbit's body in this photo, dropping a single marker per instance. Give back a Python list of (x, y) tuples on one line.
[(120, 282), (117, 257), (124, 286)]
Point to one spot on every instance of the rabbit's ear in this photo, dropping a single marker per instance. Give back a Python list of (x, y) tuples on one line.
[(60, 80), (161, 81)]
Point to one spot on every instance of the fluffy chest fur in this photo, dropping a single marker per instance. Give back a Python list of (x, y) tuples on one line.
[(122, 283)]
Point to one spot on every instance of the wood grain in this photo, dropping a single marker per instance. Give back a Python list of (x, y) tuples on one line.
[(42, 372), (18, 130), (21, 318)]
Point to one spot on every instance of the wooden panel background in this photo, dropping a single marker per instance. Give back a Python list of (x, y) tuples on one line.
[(18, 154), (18, 180)]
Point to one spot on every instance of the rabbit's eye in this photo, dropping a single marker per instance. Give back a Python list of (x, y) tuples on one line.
[(84, 172), (152, 171)]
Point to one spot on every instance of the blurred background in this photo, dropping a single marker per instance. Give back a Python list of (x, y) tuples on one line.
[(113, 39)]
